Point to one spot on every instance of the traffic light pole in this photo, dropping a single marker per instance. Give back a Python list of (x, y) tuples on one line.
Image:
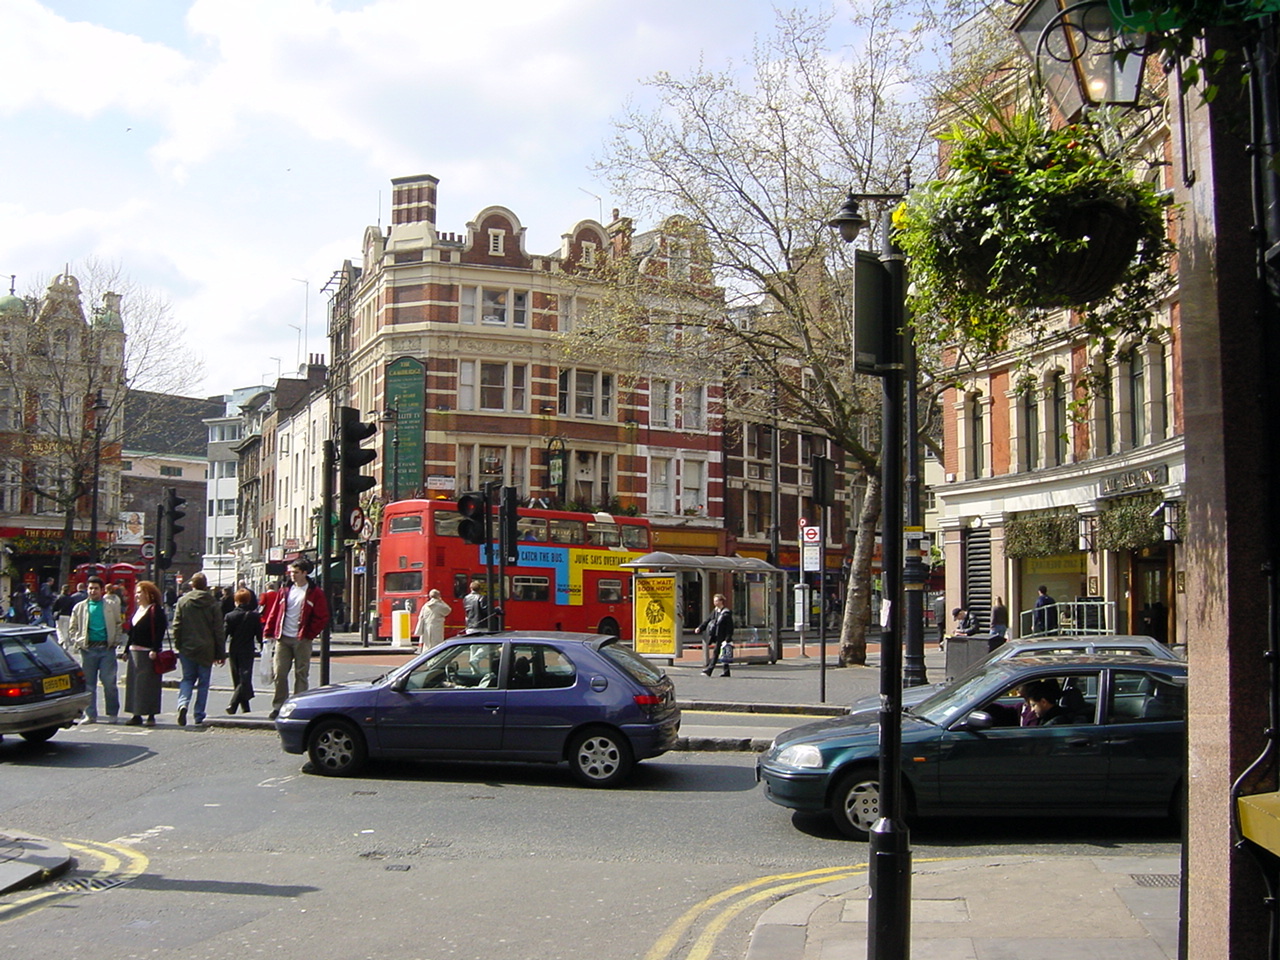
[(322, 548), (157, 565)]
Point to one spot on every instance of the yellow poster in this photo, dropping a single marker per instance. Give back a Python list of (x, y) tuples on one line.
[(655, 615)]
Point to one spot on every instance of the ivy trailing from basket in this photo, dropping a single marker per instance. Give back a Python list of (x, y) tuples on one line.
[(1128, 524), (1029, 220), (1046, 535)]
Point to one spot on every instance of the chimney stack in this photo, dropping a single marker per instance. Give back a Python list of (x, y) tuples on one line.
[(413, 199)]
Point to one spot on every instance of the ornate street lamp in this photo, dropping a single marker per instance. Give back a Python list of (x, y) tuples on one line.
[(892, 358), (1083, 57)]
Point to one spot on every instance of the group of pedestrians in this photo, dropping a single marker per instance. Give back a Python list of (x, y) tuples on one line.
[(207, 629)]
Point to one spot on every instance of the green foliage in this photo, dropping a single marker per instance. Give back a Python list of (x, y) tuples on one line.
[(1050, 535), (1128, 525), (991, 247)]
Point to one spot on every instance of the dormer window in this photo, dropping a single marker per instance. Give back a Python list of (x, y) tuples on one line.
[(497, 242), (589, 253)]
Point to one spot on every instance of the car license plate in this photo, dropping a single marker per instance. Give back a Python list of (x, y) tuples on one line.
[(54, 684)]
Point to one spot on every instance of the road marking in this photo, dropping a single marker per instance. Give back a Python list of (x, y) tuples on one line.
[(718, 911), (118, 864)]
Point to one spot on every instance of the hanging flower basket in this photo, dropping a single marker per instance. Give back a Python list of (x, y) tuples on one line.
[(1032, 219)]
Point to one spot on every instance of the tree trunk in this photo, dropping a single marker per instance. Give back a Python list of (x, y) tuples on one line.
[(857, 608), (68, 535)]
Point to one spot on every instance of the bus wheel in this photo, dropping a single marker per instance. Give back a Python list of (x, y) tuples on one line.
[(609, 627)]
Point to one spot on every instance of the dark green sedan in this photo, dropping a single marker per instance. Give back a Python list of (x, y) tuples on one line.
[(1091, 736)]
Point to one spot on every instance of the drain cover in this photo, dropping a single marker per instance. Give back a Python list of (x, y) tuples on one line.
[(1156, 879), (90, 884)]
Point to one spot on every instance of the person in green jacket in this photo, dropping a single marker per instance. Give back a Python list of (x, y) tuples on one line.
[(199, 638)]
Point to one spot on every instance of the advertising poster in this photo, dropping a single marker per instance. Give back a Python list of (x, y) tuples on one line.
[(656, 629)]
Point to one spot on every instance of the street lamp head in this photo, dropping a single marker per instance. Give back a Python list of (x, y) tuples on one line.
[(99, 402), (848, 220), (389, 417), (1083, 55)]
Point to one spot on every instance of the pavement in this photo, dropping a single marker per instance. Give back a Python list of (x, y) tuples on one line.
[(964, 908)]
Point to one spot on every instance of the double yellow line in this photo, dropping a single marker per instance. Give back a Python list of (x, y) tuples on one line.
[(115, 862), (717, 912)]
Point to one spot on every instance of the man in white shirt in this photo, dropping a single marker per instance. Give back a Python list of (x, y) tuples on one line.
[(298, 616)]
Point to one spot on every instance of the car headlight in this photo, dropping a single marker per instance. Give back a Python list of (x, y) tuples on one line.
[(287, 709), (801, 755)]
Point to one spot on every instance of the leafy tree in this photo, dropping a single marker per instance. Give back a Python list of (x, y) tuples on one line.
[(750, 163)]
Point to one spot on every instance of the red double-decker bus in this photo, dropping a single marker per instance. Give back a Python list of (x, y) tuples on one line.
[(569, 576)]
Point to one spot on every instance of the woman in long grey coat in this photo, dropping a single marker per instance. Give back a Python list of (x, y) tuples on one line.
[(146, 639)]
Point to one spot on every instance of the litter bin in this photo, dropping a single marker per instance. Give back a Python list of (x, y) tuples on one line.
[(964, 652)]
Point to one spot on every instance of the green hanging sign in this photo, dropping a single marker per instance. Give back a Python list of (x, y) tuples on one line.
[(406, 386)]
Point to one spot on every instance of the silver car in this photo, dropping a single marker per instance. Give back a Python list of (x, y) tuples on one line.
[(1039, 647), (41, 688)]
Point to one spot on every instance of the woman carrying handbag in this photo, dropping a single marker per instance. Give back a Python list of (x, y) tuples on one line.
[(146, 639)]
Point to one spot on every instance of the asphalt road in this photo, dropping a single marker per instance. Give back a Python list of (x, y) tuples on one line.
[(212, 844)]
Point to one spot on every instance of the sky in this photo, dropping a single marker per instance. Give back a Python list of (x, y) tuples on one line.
[(228, 154)]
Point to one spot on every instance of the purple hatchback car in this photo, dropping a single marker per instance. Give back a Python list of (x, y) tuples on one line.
[(518, 695)]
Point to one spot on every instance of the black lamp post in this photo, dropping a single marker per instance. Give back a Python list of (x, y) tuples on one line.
[(391, 419), (889, 907), (99, 408)]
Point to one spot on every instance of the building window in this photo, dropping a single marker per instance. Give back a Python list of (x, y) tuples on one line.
[(493, 386), (1031, 430), (660, 499), (695, 407), (660, 403), (978, 437), (467, 305), (1159, 403), (1107, 411), (1137, 400), (589, 253), (10, 413), (678, 259), (10, 486), (502, 386), (167, 471), (1059, 441), (583, 392), (494, 304), (693, 491), (497, 242)]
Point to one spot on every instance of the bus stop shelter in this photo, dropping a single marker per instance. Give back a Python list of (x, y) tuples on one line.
[(744, 571)]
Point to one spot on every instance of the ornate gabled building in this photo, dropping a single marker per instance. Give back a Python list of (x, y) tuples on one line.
[(61, 397), (458, 335)]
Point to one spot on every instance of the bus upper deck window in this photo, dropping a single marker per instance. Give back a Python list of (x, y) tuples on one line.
[(568, 531), (635, 536), (604, 534), (532, 529)]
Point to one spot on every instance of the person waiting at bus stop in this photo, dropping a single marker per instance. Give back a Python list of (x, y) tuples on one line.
[(297, 617), (719, 630)]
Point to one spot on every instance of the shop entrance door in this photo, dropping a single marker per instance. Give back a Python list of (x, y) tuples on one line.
[(1150, 612)]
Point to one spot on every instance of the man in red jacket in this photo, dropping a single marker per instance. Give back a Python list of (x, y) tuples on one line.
[(297, 617)]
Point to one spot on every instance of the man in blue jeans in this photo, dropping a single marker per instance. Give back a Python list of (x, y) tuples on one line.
[(95, 634), (200, 638)]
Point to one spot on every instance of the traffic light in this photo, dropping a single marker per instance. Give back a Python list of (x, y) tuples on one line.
[(351, 457), (509, 515), (474, 508), (171, 513)]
